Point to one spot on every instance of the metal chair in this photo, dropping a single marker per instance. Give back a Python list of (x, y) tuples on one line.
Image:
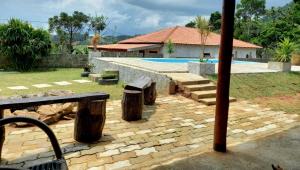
[(58, 164)]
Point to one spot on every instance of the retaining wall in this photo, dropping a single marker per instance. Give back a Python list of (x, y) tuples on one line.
[(129, 73)]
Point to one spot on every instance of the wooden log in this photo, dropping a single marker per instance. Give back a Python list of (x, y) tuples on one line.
[(89, 120), (2, 133), (132, 105), (150, 94)]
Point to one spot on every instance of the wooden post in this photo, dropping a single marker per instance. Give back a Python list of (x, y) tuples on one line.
[(2, 133), (225, 56), (150, 94), (132, 105), (89, 121)]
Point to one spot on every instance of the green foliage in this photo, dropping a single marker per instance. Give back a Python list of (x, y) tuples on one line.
[(284, 50), (191, 24), (66, 26), (203, 60), (23, 44), (98, 23), (170, 47), (215, 21)]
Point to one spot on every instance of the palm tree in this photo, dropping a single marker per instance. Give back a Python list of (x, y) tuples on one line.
[(203, 28)]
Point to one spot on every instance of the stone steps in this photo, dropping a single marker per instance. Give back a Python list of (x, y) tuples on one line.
[(200, 87), (196, 87), (196, 95), (193, 82), (212, 101)]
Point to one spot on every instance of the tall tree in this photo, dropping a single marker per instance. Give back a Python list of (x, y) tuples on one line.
[(68, 24), (98, 24), (204, 29), (191, 24), (23, 44), (250, 9), (215, 21), (247, 15)]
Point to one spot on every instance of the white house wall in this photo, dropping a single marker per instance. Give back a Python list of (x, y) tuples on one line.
[(194, 51)]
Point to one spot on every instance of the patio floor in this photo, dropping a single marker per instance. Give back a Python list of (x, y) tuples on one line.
[(174, 128)]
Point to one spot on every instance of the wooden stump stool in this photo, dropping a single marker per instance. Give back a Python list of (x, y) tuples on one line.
[(132, 105), (89, 121), (150, 94)]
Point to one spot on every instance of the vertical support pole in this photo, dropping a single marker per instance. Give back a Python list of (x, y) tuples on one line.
[(225, 57), (2, 133)]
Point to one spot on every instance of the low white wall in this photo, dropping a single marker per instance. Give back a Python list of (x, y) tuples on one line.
[(128, 73), (194, 51)]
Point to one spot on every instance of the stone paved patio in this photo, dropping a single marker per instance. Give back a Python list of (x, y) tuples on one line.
[(175, 128)]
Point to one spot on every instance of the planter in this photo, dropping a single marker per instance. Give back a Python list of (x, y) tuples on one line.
[(280, 66), (296, 59), (201, 68)]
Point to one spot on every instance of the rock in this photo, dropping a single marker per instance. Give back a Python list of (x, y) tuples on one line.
[(68, 107), (49, 110), (25, 113), (7, 113)]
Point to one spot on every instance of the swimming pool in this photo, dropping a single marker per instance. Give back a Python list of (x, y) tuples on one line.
[(186, 60)]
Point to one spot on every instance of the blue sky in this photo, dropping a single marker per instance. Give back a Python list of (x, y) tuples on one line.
[(125, 16)]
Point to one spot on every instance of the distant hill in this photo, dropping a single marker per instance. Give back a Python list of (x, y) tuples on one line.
[(83, 39)]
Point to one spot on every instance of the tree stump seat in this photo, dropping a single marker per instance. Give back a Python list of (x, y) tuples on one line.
[(137, 93), (132, 105), (146, 86)]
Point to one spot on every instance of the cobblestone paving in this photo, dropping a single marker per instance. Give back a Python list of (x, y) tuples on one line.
[(176, 127)]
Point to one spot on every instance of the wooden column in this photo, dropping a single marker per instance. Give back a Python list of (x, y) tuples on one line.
[(132, 105), (2, 133), (90, 120), (225, 57)]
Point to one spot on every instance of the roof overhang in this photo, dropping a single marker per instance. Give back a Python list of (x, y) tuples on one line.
[(126, 47)]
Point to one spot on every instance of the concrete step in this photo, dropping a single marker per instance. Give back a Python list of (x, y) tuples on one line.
[(196, 95), (200, 87), (212, 101), (193, 82)]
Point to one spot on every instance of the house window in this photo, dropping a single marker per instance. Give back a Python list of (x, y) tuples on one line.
[(153, 52), (207, 55)]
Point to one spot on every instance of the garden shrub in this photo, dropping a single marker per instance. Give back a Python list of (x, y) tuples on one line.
[(23, 44)]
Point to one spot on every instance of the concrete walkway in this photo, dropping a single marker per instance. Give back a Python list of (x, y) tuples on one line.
[(279, 149)]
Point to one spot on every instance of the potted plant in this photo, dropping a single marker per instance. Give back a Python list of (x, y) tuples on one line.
[(283, 55), (87, 70)]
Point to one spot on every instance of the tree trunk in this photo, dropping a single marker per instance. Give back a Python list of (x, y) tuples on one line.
[(2, 133), (150, 94), (89, 121), (132, 105)]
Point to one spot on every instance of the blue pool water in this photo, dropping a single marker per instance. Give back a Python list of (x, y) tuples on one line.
[(186, 60)]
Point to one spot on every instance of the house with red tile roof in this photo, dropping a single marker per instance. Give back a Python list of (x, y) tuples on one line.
[(186, 41)]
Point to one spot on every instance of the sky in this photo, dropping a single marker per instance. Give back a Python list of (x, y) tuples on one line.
[(124, 16)]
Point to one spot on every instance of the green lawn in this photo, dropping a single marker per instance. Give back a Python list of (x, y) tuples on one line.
[(279, 91), (250, 86), (28, 79)]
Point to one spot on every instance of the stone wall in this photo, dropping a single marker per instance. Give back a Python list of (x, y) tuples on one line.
[(129, 73), (64, 60)]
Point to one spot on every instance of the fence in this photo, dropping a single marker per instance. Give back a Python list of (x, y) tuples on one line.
[(64, 60)]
